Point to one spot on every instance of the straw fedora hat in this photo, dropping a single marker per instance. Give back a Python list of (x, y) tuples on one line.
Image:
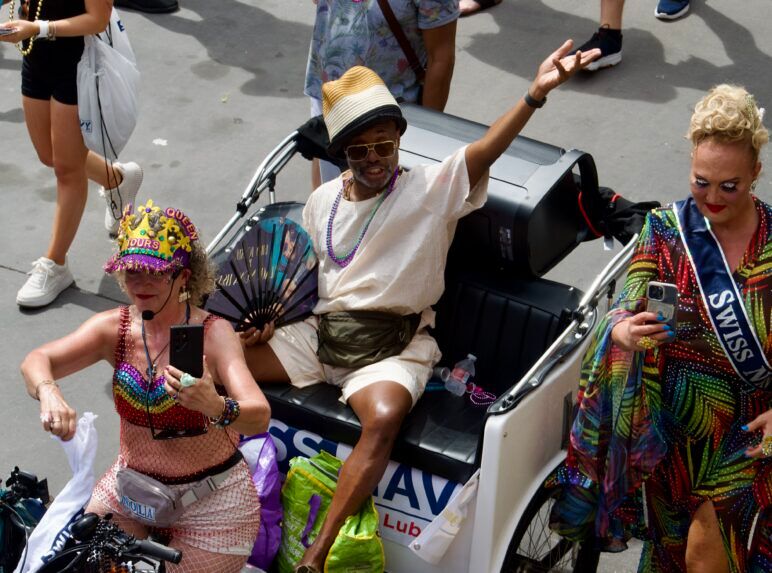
[(355, 101)]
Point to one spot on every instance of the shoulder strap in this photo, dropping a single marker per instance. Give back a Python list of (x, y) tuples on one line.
[(721, 297), (404, 43), (210, 318), (124, 331)]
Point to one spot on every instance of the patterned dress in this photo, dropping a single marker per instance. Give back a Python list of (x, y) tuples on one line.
[(670, 419)]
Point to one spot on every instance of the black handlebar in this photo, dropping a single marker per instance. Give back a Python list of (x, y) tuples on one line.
[(147, 548)]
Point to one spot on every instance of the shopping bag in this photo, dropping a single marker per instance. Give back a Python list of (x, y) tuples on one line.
[(306, 498), (108, 90), (52, 531), (433, 542), (358, 546), (259, 451)]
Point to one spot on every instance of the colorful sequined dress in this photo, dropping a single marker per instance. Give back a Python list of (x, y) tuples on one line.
[(227, 520), (670, 419)]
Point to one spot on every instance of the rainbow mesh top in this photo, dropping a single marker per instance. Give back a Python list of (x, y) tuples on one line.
[(130, 387)]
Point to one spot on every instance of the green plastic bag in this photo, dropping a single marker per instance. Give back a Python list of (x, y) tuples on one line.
[(306, 497)]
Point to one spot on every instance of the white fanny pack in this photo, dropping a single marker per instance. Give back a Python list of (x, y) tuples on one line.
[(156, 503)]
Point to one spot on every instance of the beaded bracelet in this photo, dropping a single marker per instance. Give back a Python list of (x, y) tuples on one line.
[(230, 412)]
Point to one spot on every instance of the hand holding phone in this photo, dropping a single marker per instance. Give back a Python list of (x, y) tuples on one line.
[(186, 350), (662, 299)]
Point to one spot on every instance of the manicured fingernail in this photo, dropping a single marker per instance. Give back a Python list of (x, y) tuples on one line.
[(744, 428), (660, 316), (671, 334), (668, 327)]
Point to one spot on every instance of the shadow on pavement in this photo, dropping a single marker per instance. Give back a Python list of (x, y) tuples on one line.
[(274, 51), (82, 298), (529, 31)]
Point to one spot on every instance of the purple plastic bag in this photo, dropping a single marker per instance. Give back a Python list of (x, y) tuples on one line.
[(260, 454)]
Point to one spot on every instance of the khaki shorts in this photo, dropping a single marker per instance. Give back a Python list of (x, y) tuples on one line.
[(295, 346)]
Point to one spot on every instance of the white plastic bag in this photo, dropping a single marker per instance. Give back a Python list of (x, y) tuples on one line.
[(436, 537), (108, 90), (53, 530)]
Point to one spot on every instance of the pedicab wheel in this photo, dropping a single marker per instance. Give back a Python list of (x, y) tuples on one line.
[(536, 548)]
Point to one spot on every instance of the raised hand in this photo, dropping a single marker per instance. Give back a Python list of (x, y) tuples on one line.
[(558, 67)]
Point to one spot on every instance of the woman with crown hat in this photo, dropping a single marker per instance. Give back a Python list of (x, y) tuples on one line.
[(178, 430), (50, 100)]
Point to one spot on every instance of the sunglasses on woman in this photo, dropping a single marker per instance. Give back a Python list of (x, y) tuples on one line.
[(383, 149)]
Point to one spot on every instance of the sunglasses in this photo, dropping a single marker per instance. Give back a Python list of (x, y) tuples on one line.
[(383, 149)]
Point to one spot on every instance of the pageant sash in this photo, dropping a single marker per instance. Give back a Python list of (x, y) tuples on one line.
[(721, 297)]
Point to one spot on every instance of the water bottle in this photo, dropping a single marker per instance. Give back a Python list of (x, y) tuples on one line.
[(460, 375), (441, 372)]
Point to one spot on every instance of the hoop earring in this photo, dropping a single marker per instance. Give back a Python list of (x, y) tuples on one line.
[(753, 185), (184, 294)]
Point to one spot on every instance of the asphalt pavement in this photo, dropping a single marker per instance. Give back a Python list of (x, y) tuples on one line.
[(222, 85)]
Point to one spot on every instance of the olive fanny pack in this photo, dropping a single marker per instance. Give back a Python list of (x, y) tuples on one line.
[(357, 338), (155, 503)]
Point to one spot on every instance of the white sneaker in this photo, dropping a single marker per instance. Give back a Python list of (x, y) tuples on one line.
[(118, 197), (46, 280)]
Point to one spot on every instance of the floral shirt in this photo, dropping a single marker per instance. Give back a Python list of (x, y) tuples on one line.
[(354, 32)]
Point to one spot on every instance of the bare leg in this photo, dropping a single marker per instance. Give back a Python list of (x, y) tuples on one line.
[(264, 365), (69, 159), (705, 551), (381, 407), (195, 560), (611, 13), (101, 172)]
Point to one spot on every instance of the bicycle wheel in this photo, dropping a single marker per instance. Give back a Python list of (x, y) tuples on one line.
[(534, 547)]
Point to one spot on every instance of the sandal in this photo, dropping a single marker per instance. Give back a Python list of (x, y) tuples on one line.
[(469, 7)]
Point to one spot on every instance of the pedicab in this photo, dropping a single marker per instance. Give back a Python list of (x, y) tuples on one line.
[(527, 332)]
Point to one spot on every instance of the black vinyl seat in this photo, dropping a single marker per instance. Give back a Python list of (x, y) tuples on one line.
[(506, 322)]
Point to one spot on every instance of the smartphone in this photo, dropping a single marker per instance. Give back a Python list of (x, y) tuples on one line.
[(662, 298), (186, 348), (7, 31)]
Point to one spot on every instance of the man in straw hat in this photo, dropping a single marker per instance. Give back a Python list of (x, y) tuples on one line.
[(382, 235)]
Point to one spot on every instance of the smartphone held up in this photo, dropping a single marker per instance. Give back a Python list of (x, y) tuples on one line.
[(662, 300), (186, 350)]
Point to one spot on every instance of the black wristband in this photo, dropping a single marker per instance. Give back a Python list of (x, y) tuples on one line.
[(534, 103)]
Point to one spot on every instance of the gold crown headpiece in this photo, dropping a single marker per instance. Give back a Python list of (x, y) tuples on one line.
[(153, 240)]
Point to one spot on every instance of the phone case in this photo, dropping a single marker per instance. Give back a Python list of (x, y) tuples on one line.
[(667, 306), (186, 351)]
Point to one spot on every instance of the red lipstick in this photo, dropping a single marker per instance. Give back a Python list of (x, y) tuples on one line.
[(715, 208)]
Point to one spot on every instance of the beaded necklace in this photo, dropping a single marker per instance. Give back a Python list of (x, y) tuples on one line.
[(347, 258), (19, 47)]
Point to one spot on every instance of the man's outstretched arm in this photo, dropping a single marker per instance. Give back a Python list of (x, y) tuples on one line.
[(553, 71)]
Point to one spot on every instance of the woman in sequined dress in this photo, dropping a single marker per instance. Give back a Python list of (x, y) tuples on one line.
[(174, 428), (671, 444)]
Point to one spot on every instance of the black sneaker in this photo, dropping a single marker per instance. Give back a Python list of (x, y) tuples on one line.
[(610, 43), (150, 6)]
